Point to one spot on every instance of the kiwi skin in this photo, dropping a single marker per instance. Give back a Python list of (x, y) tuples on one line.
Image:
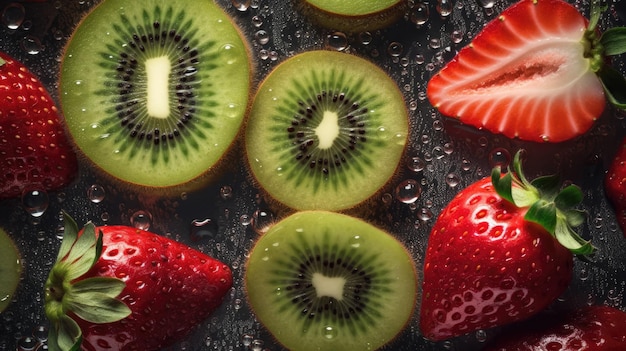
[(358, 225), (227, 163), (353, 24)]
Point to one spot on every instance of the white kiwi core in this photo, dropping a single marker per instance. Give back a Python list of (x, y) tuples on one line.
[(327, 130), (158, 74), (328, 286)]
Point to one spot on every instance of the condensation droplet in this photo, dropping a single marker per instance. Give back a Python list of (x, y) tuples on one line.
[(416, 164), (419, 13), (452, 179), (262, 220), (141, 220), (329, 332), (395, 49), (456, 36), (32, 45), (444, 7), (499, 157), (365, 38), (246, 340), (337, 41), (486, 3), (424, 214), (202, 228), (419, 59), (262, 37), (35, 202), (481, 335), (257, 21), (27, 343), (13, 15), (434, 43), (408, 191), (96, 193), (241, 5), (257, 345), (226, 192)]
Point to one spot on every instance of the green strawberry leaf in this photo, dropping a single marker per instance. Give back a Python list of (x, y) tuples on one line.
[(110, 287), (575, 217), (571, 240), (544, 214), (569, 197), (96, 307), (69, 236), (85, 243), (66, 337), (502, 184), (613, 41), (614, 86)]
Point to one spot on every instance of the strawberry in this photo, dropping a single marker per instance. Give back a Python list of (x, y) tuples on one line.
[(128, 289), (499, 252), (591, 328), (538, 72), (34, 150), (615, 185)]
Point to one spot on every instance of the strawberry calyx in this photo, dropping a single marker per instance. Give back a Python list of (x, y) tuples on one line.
[(66, 296), (599, 46), (547, 203)]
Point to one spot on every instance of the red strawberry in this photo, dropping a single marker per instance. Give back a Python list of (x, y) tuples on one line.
[(592, 328), (128, 289), (492, 256), (533, 73), (615, 185), (34, 150)]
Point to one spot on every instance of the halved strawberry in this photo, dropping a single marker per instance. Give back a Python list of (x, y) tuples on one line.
[(533, 73)]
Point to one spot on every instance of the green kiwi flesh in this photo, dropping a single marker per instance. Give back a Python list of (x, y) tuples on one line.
[(155, 92), (354, 16), (10, 269), (326, 131), (321, 280)]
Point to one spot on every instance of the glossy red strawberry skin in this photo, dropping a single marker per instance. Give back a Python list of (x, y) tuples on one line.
[(485, 266), (592, 328), (170, 289), (524, 75), (615, 185), (35, 153)]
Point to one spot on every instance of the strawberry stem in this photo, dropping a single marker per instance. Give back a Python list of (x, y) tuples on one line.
[(547, 204)]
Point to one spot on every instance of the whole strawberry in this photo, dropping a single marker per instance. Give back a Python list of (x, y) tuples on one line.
[(592, 328), (34, 150), (537, 72), (492, 256), (615, 185), (127, 289)]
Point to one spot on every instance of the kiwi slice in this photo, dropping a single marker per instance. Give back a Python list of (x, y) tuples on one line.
[(354, 16), (154, 92), (326, 281), (326, 131), (10, 269)]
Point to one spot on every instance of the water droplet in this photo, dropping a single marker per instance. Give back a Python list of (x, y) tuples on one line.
[(262, 37), (256, 345), (452, 179), (329, 332), (96, 193), (395, 49), (466, 165), (386, 198), (336, 41), (419, 59), (456, 36), (584, 274), (415, 164), (499, 157), (241, 5), (257, 21), (420, 13), (32, 45), (202, 228), (481, 335), (408, 191), (262, 220), (35, 202), (237, 304), (245, 220), (40, 333), (226, 192), (13, 15), (486, 3), (246, 340), (27, 343), (141, 220), (444, 7), (424, 214), (365, 37)]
